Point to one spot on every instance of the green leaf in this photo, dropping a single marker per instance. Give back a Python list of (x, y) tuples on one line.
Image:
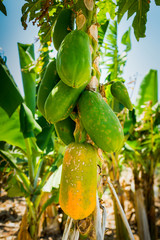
[(124, 6), (15, 187), (3, 8), (148, 91), (105, 6), (126, 40), (101, 32), (10, 129), (26, 57), (140, 7), (53, 181), (44, 138), (42, 12), (157, 2), (28, 124), (114, 61), (12, 161), (10, 97)]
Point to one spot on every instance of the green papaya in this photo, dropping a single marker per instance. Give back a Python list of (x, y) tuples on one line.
[(63, 26), (119, 91), (65, 130), (61, 102), (100, 122), (49, 80), (74, 59)]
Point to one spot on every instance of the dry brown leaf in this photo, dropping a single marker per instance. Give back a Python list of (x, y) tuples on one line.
[(23, 233), (93, 32), (89, 4), (80, 21), (93, 84)]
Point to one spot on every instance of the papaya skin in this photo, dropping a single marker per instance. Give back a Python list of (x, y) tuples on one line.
[(63, 26), (79, 180), (74, 59), (100, 122), (61, 102), (119, 91), (49, 80), (65, 130)]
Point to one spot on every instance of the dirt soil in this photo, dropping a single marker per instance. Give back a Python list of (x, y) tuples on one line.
[(12, 210)]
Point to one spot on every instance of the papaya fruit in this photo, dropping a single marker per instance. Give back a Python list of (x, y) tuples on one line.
[(63, 26), (61, 102), (78, 184), (100, 122), (65, 130), (119, 91), (74, 59), (49, 80)]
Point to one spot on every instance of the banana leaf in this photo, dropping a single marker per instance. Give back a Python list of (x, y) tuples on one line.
[(26, 57), (10, 129), (10, 97), (148, 91)]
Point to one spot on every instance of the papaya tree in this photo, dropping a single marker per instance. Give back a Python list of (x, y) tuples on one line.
[(76, 96), (73, 104)]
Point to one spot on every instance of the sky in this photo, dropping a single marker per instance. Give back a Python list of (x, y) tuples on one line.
[(144, 55)]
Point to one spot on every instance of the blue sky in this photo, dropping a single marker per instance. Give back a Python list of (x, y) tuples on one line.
[(144, 55)]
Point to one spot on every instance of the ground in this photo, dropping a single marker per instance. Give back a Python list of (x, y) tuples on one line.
[(12, 210)]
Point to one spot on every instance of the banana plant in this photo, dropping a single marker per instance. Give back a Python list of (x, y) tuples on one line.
[(142, 149), (35, 164)]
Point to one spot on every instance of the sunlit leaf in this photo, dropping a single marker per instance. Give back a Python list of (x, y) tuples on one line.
[(101, 32), (126, 40), (148, 91), (53, 181), (104, 7)]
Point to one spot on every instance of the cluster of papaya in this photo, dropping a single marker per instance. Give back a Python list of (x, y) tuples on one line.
[(63, 88)]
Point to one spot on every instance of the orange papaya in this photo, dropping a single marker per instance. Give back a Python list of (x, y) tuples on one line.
[(100, 122), (78, 184)]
